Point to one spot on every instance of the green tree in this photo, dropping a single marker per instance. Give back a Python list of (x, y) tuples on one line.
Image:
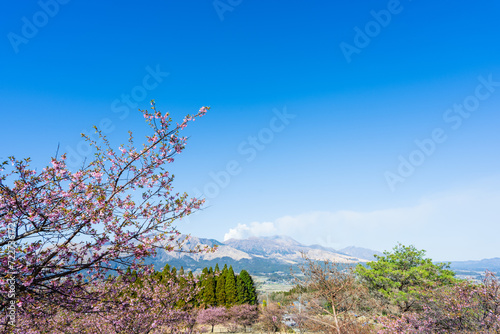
[(240, 291), (166, 270), (230, 287), (173, 273), (220, 290), (164, 275), (247, 294), (400, 276), (209, 291), (197, 297), (217, 270)]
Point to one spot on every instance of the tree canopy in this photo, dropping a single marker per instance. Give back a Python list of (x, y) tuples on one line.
[(62, 229), (401, 274)]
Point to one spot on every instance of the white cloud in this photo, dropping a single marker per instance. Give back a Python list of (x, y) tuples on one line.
[(450, 226), (242, 231)]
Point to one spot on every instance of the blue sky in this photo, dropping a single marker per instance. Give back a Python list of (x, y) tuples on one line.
[(360, 124)]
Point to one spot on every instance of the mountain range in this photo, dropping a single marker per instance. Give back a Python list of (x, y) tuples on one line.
[(281, 254), (258, 255), (476, 268)]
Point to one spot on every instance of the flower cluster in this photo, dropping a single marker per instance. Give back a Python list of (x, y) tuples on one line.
[(72, 227), (133, 303)]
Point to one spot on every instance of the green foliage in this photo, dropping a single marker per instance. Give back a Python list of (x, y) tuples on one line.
[(246, 292), (220, 290), (400, 276), (166, 269), (230, 287), (173, 272), (209, 291), (216, 287), (240, 291)]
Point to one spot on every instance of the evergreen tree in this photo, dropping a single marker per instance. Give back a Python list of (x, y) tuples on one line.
[(220, 290), (199, 298), (217, 270), (166, 270), (209, 291), (249, 287), (165, 273), (173, 273), (240, 291), (204, 272), (230, 288), (183, 284), (210, 270), (181, 271), (156, 275), (400, 276)]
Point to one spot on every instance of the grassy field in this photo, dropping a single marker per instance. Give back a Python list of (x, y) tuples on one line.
[(265, 286)]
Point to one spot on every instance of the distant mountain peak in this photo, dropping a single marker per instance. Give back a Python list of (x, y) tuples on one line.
[(280, 253), (254, 254), (360, 252)]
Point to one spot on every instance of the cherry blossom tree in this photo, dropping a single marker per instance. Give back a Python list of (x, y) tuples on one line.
[(243, 315), (147, 305), (213, 316), (271, 316), (63, 230)]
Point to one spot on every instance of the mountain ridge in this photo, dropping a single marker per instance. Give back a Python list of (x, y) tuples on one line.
[(258, 254), (281, 253)]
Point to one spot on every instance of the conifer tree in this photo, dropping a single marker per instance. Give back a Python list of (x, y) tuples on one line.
[(250, 291), (209, 291), (166, 271), (217, 270), (183, 284), (173, 272), (230, 288), (199, 298), (220, 290), (240, 291)]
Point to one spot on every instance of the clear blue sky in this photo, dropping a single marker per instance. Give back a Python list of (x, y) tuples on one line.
[(362, 83)]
